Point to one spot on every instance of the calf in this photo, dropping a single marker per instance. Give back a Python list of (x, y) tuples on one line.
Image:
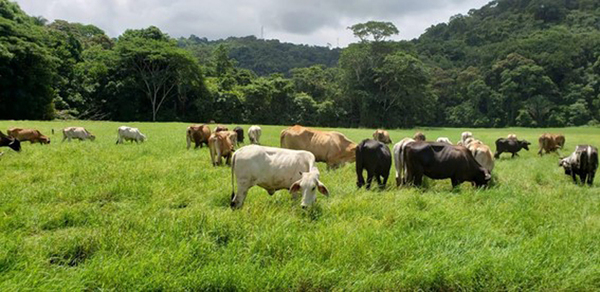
[(129, 134), (274, 169), (220, 146), (511, 146), (550, 143), (511, 136), (583, 162), (31, 135), (78, 133), (10, 142), (463, 138), (382, 136), (419, 137), (445, 140), (199, 134), (254, 133), (442, 161), (240, 134), (375, 157), (399, 161)]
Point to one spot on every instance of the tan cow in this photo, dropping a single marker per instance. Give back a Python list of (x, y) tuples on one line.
[(331, 147), (382, 136), (220, 128), (31, 135), (419, 136), (551, 142), (232, 136), (197, 133), (483, 154), (220, 146)]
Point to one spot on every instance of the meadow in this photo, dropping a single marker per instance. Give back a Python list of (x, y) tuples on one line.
[(155, 216)]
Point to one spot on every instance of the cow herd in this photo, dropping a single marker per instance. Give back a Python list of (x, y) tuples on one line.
[(293, 165)]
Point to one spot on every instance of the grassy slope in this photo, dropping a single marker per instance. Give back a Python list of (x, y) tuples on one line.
[(89, 215)]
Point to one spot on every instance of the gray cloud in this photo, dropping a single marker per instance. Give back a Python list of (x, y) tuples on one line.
[(315, 22)]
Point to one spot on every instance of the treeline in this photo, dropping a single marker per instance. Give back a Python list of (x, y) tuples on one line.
[(511, 63)]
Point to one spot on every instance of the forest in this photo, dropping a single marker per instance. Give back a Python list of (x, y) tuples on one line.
[(529, 63)]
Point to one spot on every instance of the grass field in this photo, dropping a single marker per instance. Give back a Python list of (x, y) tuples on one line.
[(155, 216)]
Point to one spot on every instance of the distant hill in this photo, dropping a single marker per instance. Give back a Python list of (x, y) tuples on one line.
[(264, 57)]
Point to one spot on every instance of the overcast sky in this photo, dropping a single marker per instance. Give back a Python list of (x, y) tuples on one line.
[(314, 22)]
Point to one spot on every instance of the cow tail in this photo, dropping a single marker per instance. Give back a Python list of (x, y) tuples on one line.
[(359, 165)]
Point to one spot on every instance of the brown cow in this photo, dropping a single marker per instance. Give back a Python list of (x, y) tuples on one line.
[(331, 147), (220, 128), (31, 135), (550, 142), (199, 134), (232, 136), (220, 146), (382, 136), (419, 137)]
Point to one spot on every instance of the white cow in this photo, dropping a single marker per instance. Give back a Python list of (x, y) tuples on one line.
[(463, 137), (77, 133), (399, 159), (254, 133), (274, 169), (130, 134), (444, 140), (511, 136)]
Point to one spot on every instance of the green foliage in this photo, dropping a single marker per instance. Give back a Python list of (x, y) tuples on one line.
[(378, 30)]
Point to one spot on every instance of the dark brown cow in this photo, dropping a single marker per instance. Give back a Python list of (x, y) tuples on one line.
[(199, 134), (220, 128), (583, 162), (12, 143), (240, 134), (551, 142), (31, 135), (443, 161)]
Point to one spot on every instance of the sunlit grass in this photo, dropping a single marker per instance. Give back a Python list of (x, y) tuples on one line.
[(95, 215)]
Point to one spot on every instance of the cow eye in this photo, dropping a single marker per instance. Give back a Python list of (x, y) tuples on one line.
[(314, 188)]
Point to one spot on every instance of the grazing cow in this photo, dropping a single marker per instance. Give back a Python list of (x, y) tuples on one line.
[(583, 162), (444, 140), (240, 134), (220, 146), (254, 133), (31, 135), (442, 161), (511, 146), (382, 136), (399, 161), (333, 148), (375, 157), (129, 134), (199, 134), (463, 138), (419, 137), (511, 136), (78, 133), (233, 137), (220, 128), (550, 143), (10, 142), (274, 169), (483, 155)]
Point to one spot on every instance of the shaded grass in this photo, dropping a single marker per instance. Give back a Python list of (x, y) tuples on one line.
[(155, 216)]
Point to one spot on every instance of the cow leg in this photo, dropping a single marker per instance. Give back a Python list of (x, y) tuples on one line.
[(583, 177), (455, 182), (574, 176), (418, 179), (228, 159), (497, 154), (385, 176), (237, 200), (379, 183), (369, 179), (64, 138), (360, 179), (590, 179)]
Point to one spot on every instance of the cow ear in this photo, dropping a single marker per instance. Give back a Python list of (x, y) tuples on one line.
[(488, 176), (322, 189), (295, 187)]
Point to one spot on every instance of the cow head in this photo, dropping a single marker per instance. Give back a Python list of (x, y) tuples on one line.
[(44, 139), (92, 137), (308, 185), (525, 144), (567, 164), (483, 177), (144, 138), (11, 142)]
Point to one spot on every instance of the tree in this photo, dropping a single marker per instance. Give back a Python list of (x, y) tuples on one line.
[(378, 30)]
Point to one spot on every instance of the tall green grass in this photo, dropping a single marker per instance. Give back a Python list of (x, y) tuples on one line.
[(155, 216)]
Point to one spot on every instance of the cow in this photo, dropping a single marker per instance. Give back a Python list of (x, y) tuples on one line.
[(463, 138), (442, 161), (382, 136), (444, 140), (31, 135), (220, 128), (130, 134), (511, 146), (78, 133), (240, 134), (333, 148), (419, 137), (254, 133), (10, 142), (511, 136), (274, 169), (220, 145), (197, 133), (233, 137), (375, 157), (483, 155), (583, 162), (399, 159), (550, 143)]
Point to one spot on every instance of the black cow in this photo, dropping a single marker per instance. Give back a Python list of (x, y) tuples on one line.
[(376, 158), (583, 162), (510, 145), (7, 141), (443, 161), (240, 134)]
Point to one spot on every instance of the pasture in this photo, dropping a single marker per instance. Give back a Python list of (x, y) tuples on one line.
[(155, 216)]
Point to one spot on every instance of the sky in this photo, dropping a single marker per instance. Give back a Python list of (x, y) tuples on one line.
[(312, 22)]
